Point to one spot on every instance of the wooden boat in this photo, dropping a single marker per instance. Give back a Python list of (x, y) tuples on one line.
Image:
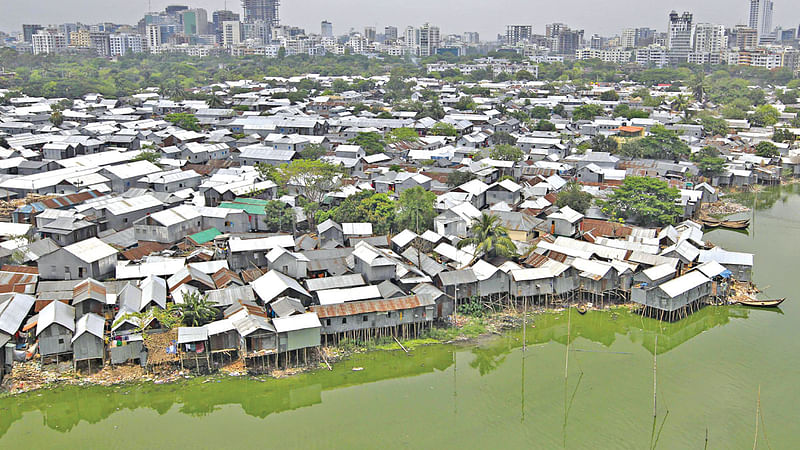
[(735, 224), (762, 303), (582, 309), (710, 223)]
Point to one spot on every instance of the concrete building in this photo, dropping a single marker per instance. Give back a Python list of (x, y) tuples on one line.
[(761, 20)]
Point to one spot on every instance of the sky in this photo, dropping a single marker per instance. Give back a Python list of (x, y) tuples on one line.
[(488, 17)]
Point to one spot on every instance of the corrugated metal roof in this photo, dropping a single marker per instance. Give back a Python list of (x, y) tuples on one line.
[(89, 323), (274, 283), (192, 334), (56, 312), (298, 322), (369, 306), (13, 312), (455, 277), (334, 296), (91, 250), (249, 324), (339, 282), (678, 286), (725, 257)]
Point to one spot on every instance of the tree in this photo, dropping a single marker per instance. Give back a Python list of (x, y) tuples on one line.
[(575, 198), (148, 155), (540, 112), (313, 151), (315, 178), (767, 149), (186, 121), (443, 129), (783, 135), (365, 206), (415, 210), (601, 143), (457, 178), (524, 75), (215, 101), (278, 217), (659, 144), (505, 152), (713, 126), (609, 96), (465, 104), (587, 112), (765, 116), (643, 200), (559, 110), (708, 161), (489, 237), (196, 310), (402, 135), (699, 88), (545, 125), (371, 142), (502, 137), (57, 118), (680, 104)]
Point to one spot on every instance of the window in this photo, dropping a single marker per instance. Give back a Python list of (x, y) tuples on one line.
[(344, 320), (328, 322), (364, 317), (389, 314), (125, 220), (60, 340)]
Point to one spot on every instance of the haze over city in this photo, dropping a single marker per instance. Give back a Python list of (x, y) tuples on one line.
[(487, 18)]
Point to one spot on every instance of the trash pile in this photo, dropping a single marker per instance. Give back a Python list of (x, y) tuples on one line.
[(725, 208)]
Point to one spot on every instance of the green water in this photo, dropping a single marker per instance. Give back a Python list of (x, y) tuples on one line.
[(490, 394)]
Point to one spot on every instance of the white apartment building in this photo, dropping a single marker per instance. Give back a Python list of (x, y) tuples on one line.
[(653, 55), (231, 33), (48, 42), (615, 55), (709, 38), (124, 43), (153, 37)]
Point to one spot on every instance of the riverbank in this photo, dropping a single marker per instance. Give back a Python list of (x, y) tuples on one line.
[(31, 376)]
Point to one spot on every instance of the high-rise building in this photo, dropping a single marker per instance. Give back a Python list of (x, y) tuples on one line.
[(709, 38), (175, 10), (262, 10), (390, 34), (628, 38), (596, 42), (231, 33), (679, 36), (370, 34), (48, 41), (28, 30), (153, 37), (472, 37), (743, 37), (518, 33), (218, 17), (326, 29), (123, 43), (101, 42), (195, 21), (428, 40), (761, 19), (553, 29)]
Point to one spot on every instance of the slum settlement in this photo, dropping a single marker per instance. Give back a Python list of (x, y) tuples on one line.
[(172, 235)]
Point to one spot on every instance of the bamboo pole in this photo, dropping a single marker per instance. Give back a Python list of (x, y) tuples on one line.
[(566, 356), (758, 414), (655, 374)]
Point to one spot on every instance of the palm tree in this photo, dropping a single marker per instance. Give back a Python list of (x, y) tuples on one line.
[(699, 89), (215, 101), (196, 310), (489, 237), (681, 104)]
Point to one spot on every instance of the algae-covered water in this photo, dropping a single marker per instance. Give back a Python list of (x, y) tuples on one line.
[(492, 393)]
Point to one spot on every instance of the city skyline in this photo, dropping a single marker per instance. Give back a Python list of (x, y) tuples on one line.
[(488, 20)]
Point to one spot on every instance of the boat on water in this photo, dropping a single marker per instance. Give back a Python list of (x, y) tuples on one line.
[(710, 223), (735, 224), (762, 303)]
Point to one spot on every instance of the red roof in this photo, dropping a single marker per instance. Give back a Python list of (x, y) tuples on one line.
[(353, 308)]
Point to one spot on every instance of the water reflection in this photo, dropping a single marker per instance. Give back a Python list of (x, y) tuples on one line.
[(64, 408)]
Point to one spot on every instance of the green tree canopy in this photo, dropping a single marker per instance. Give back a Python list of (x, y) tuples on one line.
[(502, 137), (767, 149), (709, 161), (415, 210), (313, 151), (457, 178), (587, 112), (575, 198), (443, 129), (765, 116), (540, 113), (489, 237), (659, 144), (713, 126), (279, 217), (645, 201), (402, 135), (366, 206), (504, 152), (186, 121), (371, 142), (196, 310), (609, 96)]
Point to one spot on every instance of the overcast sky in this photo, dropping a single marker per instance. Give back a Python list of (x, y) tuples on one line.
[(488, 17)]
